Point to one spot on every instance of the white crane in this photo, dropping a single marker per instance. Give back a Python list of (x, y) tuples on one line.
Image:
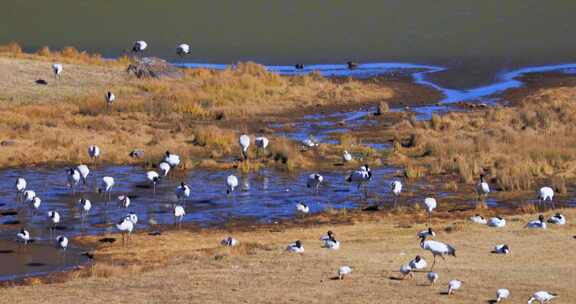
[(454, 285), (124, 200), (331, 243), (94, 153), (231, 184), (302, 208), (295, 247), (73, 178), (314, 181), (540, 223), (497, 222), (153, 177), (110, 98), (20, 187), (542, 297), (346, 156), (361, 177), (430, 204), (418, 263), (557, 219), (229, 242), (164, 168), (546, 194), (86, 205), (57, 69), (183, 191), (179, 213), (62, 242), (502, 249), (432, 277), (172, 159), (125, 226), (106, 187), (54, 218), (502, 294), (478, 219), (406, 271), (244, 142), (23, 236), (36, 202), (343, 271), (183, 49), (437, 249), (327, 236), (483, 189), (261, 143), (29, 196), (396, 187), (139, 46), (84, 172)]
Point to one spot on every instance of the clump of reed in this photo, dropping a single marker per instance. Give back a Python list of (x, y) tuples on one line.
[(517, 145)]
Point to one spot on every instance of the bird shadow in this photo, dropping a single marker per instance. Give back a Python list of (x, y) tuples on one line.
[(35, 264), (60, 228), (8, 213), (6, 251), (336, 278), (107, 240), (155, 233), (443, 293), (41, 82), (395, 278), (14, 222), (491, 301), (371, 208)]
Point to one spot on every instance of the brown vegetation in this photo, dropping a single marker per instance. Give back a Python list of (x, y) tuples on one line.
[(198, 116), (516, 147)]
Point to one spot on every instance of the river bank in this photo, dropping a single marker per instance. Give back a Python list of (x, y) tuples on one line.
[(186, 266)]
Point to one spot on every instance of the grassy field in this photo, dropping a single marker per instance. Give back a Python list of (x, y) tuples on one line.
[(191, 267), (199, 116)]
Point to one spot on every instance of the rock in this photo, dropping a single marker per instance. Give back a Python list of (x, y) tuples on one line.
[(151, 67)]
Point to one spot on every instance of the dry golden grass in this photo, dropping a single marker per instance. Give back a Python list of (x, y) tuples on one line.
[(190, 266), (198, 116), (515, 146)]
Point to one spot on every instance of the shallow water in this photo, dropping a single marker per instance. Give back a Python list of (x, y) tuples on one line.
[(38, 258)]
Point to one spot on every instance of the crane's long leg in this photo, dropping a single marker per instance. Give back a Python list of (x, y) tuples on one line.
[(433, 263)]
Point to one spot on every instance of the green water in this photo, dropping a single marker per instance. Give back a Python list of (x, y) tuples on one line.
[(477, 39)]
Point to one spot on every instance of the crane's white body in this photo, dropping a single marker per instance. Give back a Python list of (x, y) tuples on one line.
[(502, 294), (229, 242), (172, 159), (23, 236), (546, 194), (542, 297), (183, 191), (295, 247), (164, 167), (454, 285), (557, 219), (432, 277), (497, 222), (502, 249), (62, 242), (231, 183), (314, 180), (478, 219), (344, 271), (347, 157), (302, 208), (418, 263), (244, 142), (84, 172), (57, 68), (94, 151), (183, 49), (262, 142), (396, 187), (124, 200)]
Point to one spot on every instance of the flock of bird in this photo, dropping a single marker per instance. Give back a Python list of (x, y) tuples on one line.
[(360, 178)]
